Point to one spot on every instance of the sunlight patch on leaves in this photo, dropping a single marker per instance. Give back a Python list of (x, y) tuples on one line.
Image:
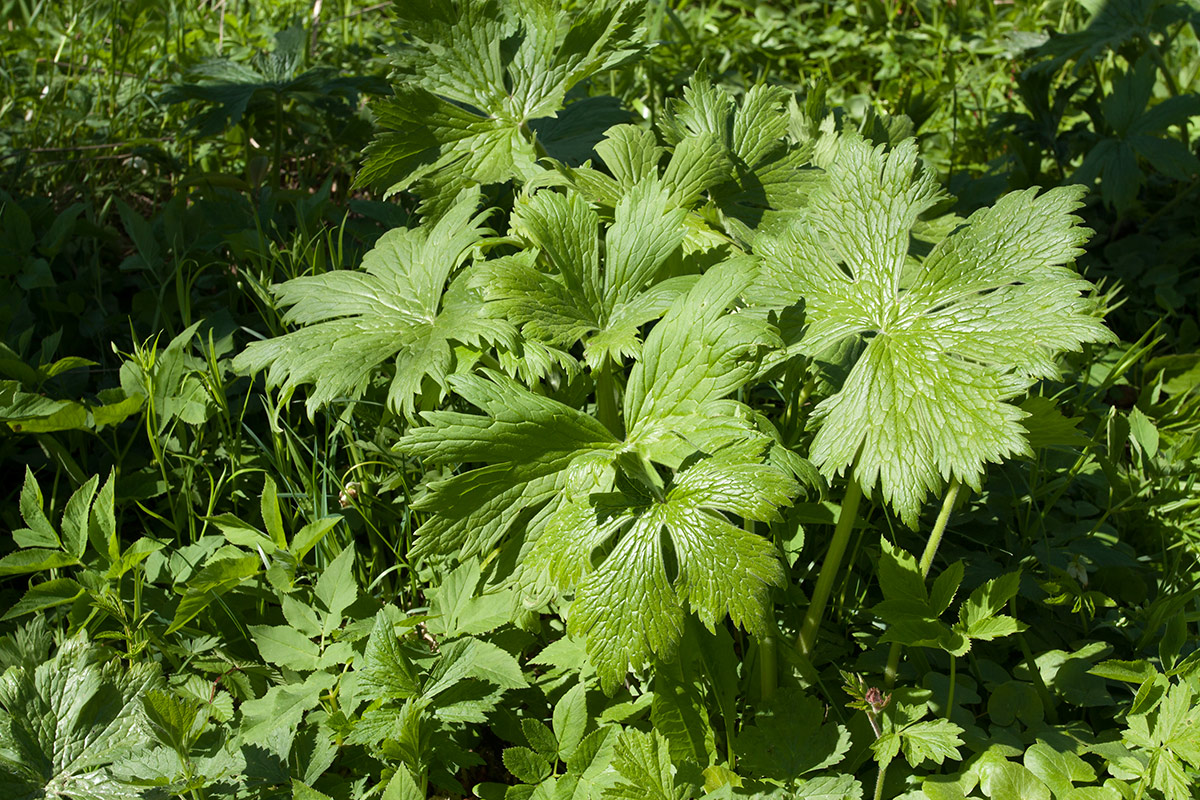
[(947, 341), (392, 310), (471, 75), (64, 723)]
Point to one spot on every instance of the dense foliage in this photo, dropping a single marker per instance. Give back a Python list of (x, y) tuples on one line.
[(630, 399)]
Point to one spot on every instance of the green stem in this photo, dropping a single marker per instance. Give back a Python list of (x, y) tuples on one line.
[(829, 569), (950, 693), (277, 155), (931, 547), (607, 400), (939, 528), (768, 660)]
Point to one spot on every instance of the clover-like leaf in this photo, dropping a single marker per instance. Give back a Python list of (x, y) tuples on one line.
[(947, 341)]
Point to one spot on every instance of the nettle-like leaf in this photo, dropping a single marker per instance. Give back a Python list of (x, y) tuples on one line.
[(397, 308), (559, 294), (947, 340), (660, 505), (913, 612), (473, 75), (64, 723)]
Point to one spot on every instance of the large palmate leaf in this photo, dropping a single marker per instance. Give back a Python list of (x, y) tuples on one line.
[(671, 551), (526, 442), (948, 340), (471, 77), (397, 308), (671, 542), (65, 722), (731, 164), (560, 294)]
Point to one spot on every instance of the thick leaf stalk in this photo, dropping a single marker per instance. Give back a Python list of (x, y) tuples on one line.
[(829, 569)]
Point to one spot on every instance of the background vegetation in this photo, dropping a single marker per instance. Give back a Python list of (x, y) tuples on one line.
[(215, 586)]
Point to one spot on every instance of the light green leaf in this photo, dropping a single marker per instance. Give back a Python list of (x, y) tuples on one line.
[(397, 308), (832, 787), (1057, 768), (64, 723), (526, 765), (570, 720), (1129, 671), (540, 737), (644, 763), (720, 569), (102, 524), (282, 707), (302, 791), (243, 534), (35, 559), (75, 518), (947, 341), (569, 298), (271, 514), (473, 658), (1008, 781), (386, 671), (935, 740), (311, 535), (402, 786), (285, 647), (463, 102), (40, 532), (528, 441), (979, 616), (337, 589), (697, 355), (57, 592)]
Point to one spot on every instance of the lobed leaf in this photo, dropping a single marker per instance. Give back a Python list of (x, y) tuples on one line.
[(948, 341)]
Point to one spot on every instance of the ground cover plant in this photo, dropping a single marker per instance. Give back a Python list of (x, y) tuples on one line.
[(676, 400)]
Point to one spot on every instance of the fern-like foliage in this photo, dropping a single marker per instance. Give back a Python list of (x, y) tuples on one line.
[(397, 309), (948, 339)]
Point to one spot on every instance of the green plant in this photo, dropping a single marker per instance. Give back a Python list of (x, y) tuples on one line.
[(644, 379)]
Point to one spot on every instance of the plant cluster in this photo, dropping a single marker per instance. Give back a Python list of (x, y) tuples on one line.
[(656, 438)]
